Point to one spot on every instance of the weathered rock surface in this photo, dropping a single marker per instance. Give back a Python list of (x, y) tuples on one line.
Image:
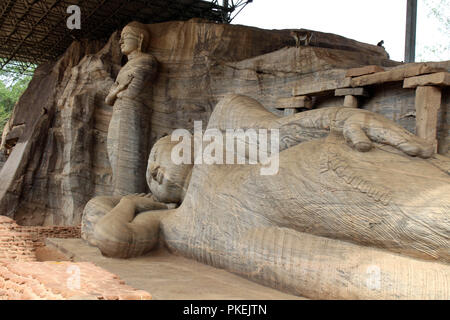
[(60, 161), (50, 168)]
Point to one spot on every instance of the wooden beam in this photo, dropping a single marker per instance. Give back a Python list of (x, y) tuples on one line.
[(410, 37)]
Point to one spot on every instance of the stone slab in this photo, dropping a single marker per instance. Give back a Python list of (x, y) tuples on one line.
[(170, 277), (321, 82), (295, 102), (351, 92), (395, 74), (440, 79), (355, 72), (428, 103)]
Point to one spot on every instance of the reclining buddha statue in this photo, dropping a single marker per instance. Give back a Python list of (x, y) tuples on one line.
[(359, 208)]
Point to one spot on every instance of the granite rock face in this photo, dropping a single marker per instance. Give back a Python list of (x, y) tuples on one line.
[(54, 168), (60, 160)]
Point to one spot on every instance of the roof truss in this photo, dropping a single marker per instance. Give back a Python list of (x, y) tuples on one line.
[(34, 31)]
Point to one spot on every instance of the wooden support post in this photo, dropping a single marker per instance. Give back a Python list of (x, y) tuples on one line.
[(428, 103), (351, 101), (410, 37)]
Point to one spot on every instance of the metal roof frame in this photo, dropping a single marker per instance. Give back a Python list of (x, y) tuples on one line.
[(33, 32)]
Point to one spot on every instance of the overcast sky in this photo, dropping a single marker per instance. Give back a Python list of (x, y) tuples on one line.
[(364, 20)]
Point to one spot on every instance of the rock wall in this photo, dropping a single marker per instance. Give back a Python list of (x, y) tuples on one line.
[(48, 174), (60, 161)]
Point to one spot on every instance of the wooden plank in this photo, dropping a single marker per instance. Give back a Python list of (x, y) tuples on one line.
[(295, 102), (355, 72), (396, 74), (351, 92), (441, 79), (428, 103)]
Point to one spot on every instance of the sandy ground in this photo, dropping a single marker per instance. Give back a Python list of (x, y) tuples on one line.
[(50, 254), (170, 277)]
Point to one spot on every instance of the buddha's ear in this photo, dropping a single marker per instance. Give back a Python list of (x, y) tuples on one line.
[(141, 40)]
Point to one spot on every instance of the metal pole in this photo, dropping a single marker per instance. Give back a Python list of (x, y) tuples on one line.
[(410, 39), (226, 12), (226, 4)]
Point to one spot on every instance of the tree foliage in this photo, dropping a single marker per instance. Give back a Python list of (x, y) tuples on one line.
[(12, 85), (437, 46)]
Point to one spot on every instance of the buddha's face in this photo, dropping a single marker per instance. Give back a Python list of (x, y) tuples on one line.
[(165, 178), (129, 42)]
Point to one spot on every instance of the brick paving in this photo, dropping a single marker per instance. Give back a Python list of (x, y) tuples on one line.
[(15, 245), (63, 281), (10, 232), (24, 278)]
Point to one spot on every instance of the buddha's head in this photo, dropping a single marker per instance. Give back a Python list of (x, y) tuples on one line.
[(134, 38), (167, 181)]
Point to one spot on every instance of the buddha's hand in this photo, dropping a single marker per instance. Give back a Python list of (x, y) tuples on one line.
[(145, 202), (361, 127), (124, 86), (117, 90), (110, 98)]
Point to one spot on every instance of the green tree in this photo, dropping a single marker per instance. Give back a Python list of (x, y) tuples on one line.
[(12, 85)]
